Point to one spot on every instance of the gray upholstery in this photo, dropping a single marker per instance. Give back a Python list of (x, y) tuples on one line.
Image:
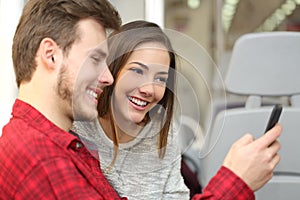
[(262, 64), (265, 64)]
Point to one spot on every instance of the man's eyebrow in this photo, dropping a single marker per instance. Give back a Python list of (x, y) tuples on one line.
[(100, 52)]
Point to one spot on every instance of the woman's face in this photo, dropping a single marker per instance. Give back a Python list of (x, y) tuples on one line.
[(141, 83)]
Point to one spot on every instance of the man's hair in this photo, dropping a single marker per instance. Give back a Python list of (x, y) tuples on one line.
[(56, 19)]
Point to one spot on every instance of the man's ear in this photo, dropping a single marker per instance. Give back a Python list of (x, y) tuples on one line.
[(48, 52)]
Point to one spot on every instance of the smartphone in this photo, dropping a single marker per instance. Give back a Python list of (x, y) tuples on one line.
[(274, 117)]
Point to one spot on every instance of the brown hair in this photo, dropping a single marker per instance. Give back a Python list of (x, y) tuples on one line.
[(56, 19), (121, 45)]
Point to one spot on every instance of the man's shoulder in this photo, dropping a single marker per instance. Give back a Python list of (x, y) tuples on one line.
[(21, 139), (19, 132)]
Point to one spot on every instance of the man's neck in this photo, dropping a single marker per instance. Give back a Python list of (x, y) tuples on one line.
[(46, 104)]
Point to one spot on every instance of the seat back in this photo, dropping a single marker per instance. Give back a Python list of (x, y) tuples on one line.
[(262, 65)]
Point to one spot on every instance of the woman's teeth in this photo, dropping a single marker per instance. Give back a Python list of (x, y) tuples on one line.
[(138, 102)]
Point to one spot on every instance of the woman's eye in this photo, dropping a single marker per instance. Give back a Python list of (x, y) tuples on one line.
[(162, 80), (137, 70)]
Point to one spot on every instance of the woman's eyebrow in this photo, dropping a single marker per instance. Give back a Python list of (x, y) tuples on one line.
[(147, 68), (163, 73), (141, 64)]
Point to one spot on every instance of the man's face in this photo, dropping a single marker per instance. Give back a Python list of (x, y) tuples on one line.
[(84, 73)]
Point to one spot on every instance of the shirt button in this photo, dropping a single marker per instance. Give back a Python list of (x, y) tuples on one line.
[(78, 145)]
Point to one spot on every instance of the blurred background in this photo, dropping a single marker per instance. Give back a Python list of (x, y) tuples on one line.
[(210, 29)]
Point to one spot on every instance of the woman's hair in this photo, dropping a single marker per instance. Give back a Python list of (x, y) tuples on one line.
[(121, 45), (56, 19)]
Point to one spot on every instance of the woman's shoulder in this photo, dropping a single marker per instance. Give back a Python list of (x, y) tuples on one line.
[(87, 129)]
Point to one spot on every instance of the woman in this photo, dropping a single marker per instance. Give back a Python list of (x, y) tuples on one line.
[(135, 138)]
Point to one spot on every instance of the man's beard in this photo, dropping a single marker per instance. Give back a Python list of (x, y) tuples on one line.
[(64, 87)]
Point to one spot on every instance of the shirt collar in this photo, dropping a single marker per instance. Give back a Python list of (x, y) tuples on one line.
[(38, 121)]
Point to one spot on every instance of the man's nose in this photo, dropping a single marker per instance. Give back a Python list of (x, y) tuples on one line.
[(106, 78)]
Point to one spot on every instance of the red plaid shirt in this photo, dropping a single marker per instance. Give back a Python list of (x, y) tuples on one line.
[(38, 160), (225, 185)]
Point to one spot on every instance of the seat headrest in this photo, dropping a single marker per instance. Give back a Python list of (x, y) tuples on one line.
[(265, 64)]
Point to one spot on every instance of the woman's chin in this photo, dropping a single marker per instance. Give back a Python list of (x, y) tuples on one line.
[(137, 118)]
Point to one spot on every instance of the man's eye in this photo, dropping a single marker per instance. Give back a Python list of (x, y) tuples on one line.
[(96, 59)]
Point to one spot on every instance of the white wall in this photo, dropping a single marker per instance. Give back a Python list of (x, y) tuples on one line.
[(150, 10), (9, 16), (130, 10), (154, 12)]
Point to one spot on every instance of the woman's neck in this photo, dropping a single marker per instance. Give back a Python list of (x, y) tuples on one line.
[(125, 134)]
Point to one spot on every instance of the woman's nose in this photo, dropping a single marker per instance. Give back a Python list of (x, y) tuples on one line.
[(147, 89)]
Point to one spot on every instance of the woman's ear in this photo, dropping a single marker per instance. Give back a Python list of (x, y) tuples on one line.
[(48, 53)]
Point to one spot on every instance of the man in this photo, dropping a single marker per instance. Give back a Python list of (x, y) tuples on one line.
[(59, 56)]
